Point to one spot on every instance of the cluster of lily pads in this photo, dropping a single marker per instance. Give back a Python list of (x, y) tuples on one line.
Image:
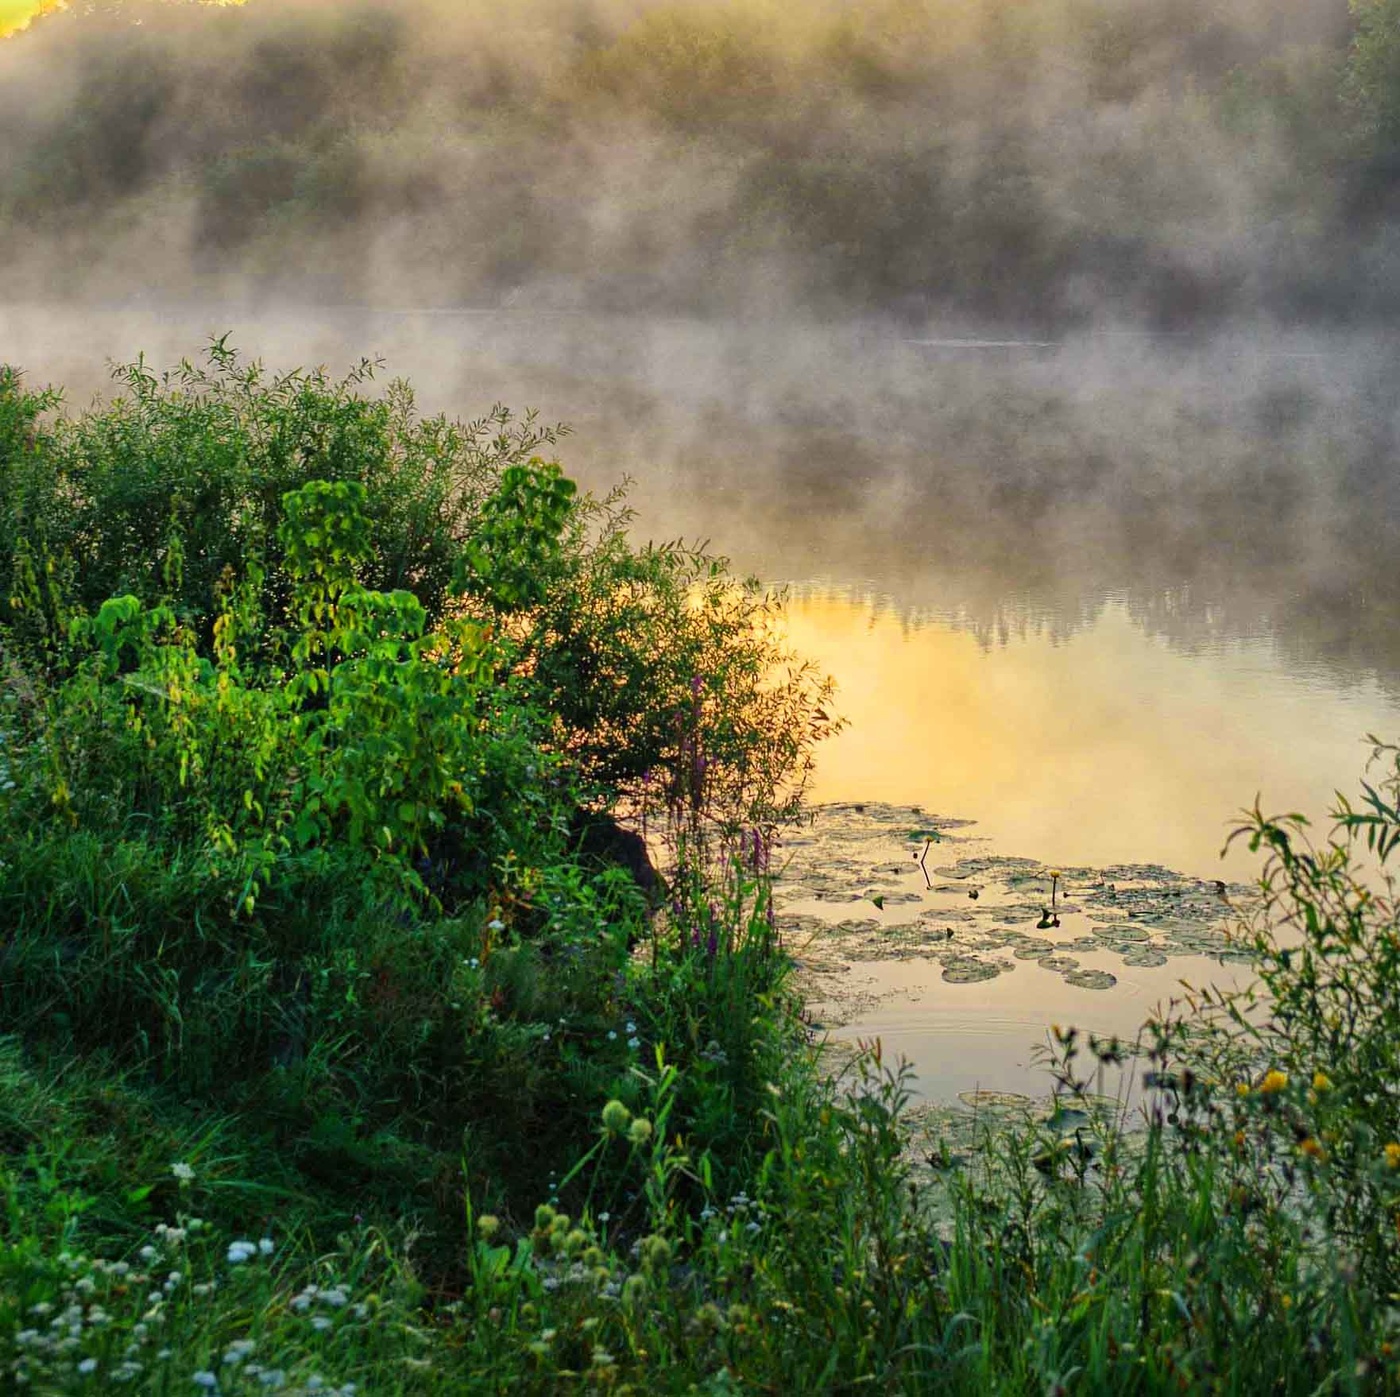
[(978, 915)]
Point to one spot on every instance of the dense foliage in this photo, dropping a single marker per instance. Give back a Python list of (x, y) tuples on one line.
[(335, 1061), (301, 726), (1050, 160)]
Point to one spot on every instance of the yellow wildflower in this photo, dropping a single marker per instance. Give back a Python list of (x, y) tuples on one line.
[(1241, 1088), (1312, 1149), (1392, 1155), (1274, 1081)]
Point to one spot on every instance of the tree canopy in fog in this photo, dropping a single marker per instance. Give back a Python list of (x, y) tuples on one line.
[(1054, 160)]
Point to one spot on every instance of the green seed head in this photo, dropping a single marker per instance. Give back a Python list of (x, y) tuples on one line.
[(640, 1131), (616, 1117), (709, 1319)]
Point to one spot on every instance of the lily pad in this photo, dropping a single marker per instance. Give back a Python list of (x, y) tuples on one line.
[(1007, 1099), (970, 972), (1144, 958), (1091, 979)]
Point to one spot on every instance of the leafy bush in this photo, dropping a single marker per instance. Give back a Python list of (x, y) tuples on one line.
[(199, 460), (305, 843)]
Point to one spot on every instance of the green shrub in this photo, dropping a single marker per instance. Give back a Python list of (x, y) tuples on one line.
[(304, 845)]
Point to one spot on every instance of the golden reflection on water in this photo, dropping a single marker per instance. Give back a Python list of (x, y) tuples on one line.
[(1104, 747)]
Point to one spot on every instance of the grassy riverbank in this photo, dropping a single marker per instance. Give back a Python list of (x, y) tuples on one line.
[(350, 1045)]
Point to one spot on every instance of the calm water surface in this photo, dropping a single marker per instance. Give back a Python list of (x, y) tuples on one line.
[(1106, 746)]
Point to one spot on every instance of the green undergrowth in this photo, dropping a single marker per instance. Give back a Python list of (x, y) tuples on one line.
[(351, 1046)]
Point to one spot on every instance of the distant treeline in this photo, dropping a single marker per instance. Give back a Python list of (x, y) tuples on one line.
[(1050, 161)]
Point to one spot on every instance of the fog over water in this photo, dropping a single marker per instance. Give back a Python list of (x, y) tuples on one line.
[(1140, 579)]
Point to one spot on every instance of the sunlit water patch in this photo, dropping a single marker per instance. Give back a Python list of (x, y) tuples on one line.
[(1095, 746)]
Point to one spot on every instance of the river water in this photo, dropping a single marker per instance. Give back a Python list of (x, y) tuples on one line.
[(1094, 595)]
